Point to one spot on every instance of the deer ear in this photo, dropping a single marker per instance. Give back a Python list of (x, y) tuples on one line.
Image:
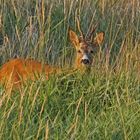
[(99, 38), (73, 38)]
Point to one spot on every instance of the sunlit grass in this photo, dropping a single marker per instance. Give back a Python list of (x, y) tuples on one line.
[(101, 105)]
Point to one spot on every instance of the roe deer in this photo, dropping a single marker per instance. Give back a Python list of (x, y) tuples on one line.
[(18, 70)]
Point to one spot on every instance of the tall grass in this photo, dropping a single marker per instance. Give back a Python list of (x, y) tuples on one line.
[(101, 105)]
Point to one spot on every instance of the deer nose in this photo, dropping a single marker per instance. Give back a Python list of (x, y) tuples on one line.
[(85, 61)]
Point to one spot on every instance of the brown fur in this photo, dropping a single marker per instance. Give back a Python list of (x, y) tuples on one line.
[(17, 71)]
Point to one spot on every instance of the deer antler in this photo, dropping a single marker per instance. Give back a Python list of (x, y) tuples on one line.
[(92, 31), (78, 25)]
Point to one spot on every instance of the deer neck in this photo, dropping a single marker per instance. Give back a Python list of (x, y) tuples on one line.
[(51, 70)]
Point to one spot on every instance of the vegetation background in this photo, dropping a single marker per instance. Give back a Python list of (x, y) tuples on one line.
[(102, 105)]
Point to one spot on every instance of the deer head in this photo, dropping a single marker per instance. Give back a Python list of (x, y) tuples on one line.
[(85, 46)]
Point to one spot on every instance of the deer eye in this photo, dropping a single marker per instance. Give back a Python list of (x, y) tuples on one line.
[(91, 51), (79, 51)]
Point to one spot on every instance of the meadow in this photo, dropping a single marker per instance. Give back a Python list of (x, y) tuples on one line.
[(102, 105)]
